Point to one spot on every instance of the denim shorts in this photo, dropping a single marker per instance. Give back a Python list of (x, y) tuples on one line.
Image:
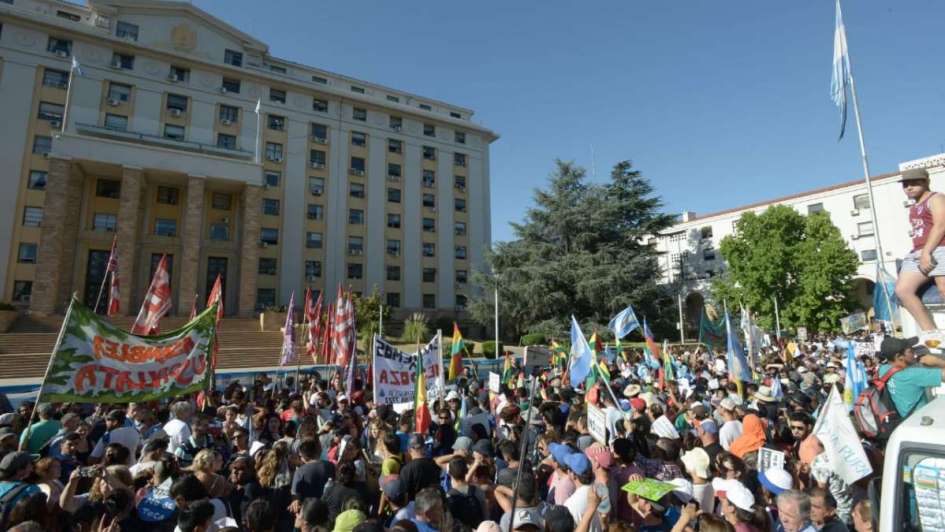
[(911, 262)]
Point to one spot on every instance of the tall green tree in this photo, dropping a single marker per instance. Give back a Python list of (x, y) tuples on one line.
[(582, 249), (803, 261)]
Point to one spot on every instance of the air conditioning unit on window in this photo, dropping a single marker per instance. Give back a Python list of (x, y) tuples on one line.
[(62, 53), (226, 122), (175, 112), (316, 164), (114, 102), (172, 78), (855, 212), (392, 177), (224, 220), (319, 140), (264, 245), (276, 158), (55, 124), (355, 171), (223, 90), (116, 62), (396, 128)]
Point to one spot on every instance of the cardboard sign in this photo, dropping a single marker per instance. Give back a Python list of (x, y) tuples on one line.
[(597, 423), (536, 356), (495, 382), (853, 322), (395, 373), (770, 459), (648, 488)]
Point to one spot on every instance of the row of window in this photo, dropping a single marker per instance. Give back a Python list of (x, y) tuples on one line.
[(266, 297), (313, 271)]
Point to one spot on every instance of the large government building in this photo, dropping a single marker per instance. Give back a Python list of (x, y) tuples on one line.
[(158, 122)]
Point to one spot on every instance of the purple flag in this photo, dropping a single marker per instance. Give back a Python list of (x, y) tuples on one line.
[(288, 334)]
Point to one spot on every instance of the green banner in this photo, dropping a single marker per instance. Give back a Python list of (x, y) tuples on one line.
[(96, 362), (712, 332)]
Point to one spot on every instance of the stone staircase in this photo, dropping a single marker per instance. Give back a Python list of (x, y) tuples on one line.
[(24, 352)]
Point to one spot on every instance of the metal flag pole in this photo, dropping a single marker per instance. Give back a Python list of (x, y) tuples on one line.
[(497, 316), (777, 317), (682, 330), (101, 290), (866, 173), (52, 357), (65, 109), (522, 450)]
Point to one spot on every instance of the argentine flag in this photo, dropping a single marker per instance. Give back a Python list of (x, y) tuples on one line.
[(624, 323), (737, 362), (581, 355), (841, 70), (76, 67), (855, 381)]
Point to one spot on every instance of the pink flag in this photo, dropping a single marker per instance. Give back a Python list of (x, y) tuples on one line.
[(216, 296), (157, 302), (313, 313), (288, 334), (193, 308)]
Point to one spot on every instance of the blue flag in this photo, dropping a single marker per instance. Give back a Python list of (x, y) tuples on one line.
[(841, 69), (737, 362), (581, 355), (880, 308), (624, 323)]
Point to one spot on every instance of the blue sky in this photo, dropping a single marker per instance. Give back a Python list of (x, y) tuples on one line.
[(719, 103)]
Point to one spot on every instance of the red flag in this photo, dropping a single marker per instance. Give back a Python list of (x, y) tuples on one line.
[(193, 308), (313, 313), (340, 336), (114, 306), (216, 296), (157, 301), (422, 416), (327, 335)]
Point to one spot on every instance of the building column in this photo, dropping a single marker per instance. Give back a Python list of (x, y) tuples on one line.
[(191, 239), (129, 212), (56, 256), (249, 249)]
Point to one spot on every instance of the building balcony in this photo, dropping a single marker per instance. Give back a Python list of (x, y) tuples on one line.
[(152, 152)]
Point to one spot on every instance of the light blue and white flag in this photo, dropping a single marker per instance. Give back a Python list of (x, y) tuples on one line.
[(841, 70), (882, 311), (624, 323), (76, 67), (856, 378), (581, 355), (737, 362), (776, 390)]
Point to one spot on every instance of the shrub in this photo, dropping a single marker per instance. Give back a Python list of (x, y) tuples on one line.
[(416, 328), (489, 350), (533, 339)]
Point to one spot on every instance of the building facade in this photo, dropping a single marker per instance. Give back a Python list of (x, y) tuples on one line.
[(184, 137), (690, 254)]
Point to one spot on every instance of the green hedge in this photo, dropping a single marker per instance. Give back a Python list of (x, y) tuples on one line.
[(489, 350), (533, 339)]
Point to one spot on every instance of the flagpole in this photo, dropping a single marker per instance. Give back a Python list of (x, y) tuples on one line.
[(866, 171), (258, 125), (682, 333), (777, 317), (380, 320), (39, 394), (65, 109), (101, 290), (497, 316)]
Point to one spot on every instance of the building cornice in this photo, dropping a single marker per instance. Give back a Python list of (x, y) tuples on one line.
[(925, 162)]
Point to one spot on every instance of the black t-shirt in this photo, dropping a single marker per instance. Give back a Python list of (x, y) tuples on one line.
[(338, 494), (713, 450), (241, 496), (418, 474), (310, 479)]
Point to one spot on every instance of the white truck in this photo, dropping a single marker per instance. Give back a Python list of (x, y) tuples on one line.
[(912, 495)]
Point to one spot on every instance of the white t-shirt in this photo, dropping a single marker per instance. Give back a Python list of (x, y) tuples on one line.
[(177, 432), (705, 496), (729, 432), (577, 503)]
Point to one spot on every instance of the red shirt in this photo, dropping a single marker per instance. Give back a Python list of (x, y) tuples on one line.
[(920, 218)]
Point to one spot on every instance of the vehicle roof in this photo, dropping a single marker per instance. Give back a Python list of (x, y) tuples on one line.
[(925, 425)]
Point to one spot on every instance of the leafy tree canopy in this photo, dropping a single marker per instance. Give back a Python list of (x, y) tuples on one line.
[(582, 249), (803, 261)]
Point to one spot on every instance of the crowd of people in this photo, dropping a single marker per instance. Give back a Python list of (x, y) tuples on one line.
[(269, 456)]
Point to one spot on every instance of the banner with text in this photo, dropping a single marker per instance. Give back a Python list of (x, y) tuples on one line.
[(395, 371), (96, 362)]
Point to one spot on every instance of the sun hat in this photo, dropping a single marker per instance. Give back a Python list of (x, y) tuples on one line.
[(776, 480), (697, 462), (764, 394), (734, 492), (632, 390), (913, 174)]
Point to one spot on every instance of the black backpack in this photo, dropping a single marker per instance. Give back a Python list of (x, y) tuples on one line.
[(465, 508), (875, 413)]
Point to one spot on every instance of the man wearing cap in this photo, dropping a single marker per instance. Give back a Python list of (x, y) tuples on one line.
[(927, 258), (562, 486), (15, 467), (582, 476), (42, 431), (420, 472), (697, 462), (117, 432), (908, 385), (732, 427)]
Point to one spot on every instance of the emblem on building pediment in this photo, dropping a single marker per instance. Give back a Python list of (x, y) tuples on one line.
[(183, 38)]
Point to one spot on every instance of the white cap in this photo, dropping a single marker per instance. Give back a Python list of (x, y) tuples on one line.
[(341, 397), (452, 395), (256, 447), (727, 404), (735, 492), (683, 489)]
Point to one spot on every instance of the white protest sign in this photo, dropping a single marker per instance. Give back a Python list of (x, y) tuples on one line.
[(770, 459), (495, 382), (853, 322), (841, 443), (597, 423), (802, 334), (395, 372)]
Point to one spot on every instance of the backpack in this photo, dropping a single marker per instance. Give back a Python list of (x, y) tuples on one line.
[(875, 413), (466, 508), (9, 500)]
